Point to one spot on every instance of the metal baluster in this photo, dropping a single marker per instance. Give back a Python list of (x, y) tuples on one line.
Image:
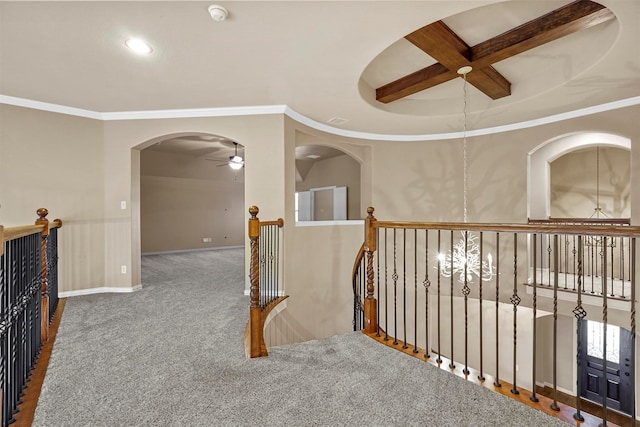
[(632, 278), (451, 362), (612, 245), (605, 383), (415, 290), (378, 283), (465, 291), (594, 265), (573, 251), (426, 284), (533, 396), (404, 286), (386, 292), (496, 381), (481, 375), (515, 300), (579, 313), (395, 291), (549, 259), (622, 265), (566, 260), (554, 405), (439, 359)]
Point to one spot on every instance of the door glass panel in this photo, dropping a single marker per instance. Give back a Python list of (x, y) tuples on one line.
[(595, 344)]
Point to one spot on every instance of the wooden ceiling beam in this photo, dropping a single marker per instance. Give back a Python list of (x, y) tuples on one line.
[(415, 82), (561, 22), (451, 52), (443, 45)]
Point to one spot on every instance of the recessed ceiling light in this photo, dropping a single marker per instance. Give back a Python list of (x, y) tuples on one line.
[(139, 46)]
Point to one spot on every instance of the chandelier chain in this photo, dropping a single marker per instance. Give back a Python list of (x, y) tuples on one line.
[(464, 152)]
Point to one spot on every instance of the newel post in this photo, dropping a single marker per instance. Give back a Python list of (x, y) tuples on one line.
[(370, 304), (44, 324), (255, 313)]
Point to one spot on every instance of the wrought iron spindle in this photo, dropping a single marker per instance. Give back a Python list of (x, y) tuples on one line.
[(439, 359), (613, 245), (533, 396), (515, 300), (632, 278), (378, 285), (622, 265), (386, 291), (404, 286), (415, 290), (395, 290), (465, 291), (573, 251), (605, 382), (565, 269), (554, 404), (481, 375), (452, 364), (579, 313), (426, 284), (496, 381)]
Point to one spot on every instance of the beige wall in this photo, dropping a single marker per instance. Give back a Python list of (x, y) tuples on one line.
[(92, 166), (341, 171), (184, 199), (56, 161), (574, 183)]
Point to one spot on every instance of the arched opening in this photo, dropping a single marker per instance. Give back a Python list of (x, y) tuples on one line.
[(540, 158), (328, 184), (190, 196), (593, 182)]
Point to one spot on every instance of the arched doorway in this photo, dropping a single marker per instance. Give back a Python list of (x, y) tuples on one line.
[(190, 196)]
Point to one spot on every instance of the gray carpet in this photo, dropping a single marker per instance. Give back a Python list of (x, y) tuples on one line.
[(172, 355)]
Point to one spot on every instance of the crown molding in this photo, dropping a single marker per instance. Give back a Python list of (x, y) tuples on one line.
[(284, 109)]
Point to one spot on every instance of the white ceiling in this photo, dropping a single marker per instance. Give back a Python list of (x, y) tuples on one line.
[(323, 59)]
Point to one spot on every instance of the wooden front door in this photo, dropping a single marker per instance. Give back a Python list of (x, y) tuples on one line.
[(618, 386)]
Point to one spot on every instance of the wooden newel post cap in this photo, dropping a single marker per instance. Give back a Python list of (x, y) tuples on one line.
[(42, 214), (253, 210), (370, 212)]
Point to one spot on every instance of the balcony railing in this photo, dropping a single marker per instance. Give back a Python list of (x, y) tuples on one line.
[(28, 300), (266, 290), (491, 299)]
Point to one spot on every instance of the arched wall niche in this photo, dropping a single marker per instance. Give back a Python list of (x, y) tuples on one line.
[(539, 159), (340, 165)]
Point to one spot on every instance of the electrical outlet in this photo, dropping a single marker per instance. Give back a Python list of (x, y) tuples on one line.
[(123, 269), (123, 204)]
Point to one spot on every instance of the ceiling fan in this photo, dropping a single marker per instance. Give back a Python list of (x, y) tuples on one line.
[(235, 162)]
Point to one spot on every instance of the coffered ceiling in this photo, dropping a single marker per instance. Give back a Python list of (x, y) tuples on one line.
[(322, 59)]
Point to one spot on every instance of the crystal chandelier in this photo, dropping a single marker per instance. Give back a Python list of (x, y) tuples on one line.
[(465, 254)]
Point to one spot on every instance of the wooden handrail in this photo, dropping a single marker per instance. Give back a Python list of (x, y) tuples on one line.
[(631, 231), (13, 233)]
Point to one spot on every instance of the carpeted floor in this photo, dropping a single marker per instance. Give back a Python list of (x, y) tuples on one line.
[(172, 355)]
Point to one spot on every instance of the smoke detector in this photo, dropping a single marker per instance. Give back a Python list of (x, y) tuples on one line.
[(218, 13)]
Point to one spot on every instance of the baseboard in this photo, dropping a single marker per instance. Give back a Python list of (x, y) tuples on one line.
[(101, 290), (181, 251)]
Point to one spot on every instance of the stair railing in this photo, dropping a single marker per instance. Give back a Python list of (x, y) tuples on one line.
[(456, 294), (28, 300), (265, 277)]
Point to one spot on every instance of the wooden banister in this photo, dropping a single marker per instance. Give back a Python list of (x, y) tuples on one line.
[(259, 308), (431, 264), (26, 295)]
